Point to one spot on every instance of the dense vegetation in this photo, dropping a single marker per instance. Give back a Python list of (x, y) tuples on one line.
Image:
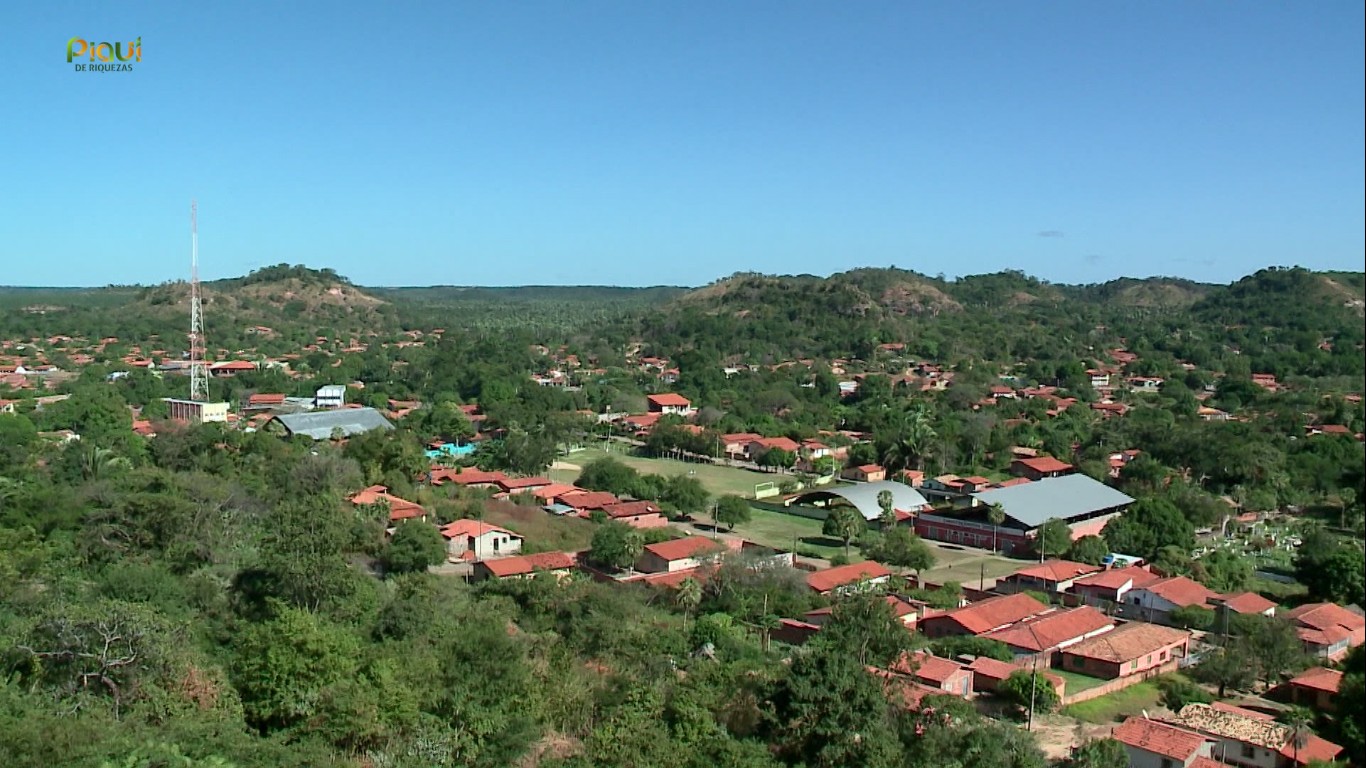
[(207, 597)]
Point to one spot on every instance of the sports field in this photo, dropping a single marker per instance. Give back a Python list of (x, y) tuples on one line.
[(718, 480)]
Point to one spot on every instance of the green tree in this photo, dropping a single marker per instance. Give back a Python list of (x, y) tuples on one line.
[(1349, 705), (1016, 690), (901, 548), (284, 667), (1336, 572), (616, 545), (732, 510), (1146, 527), (844, 523), (1270, 645), (864, 625), (1088, 549), (686, 494), (1225, 668), (1053, 539), (829, 713), (1225, 572), (884, 503), (414, 546)]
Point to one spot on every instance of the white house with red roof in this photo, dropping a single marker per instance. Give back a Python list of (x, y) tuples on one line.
[(1327, 630), (558, 564), (679, 554), (1156, 601), (1112, 586), (849, 578), (1155, 744), (669, 403), (473, 540), (1051, 577)]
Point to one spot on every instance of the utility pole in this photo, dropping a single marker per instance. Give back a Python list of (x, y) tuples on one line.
[(982, 577)]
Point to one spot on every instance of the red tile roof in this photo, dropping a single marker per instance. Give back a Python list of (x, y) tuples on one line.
[(1159, 738), (992, 669), (1053, 629), (588, 500), (669, 399), (993, 613), (1057, 570), (468, 527), (1118, 577), (841, 575), (927, 667), (1128, 642), (630, 509), (1045, 464), (1248, 602), (1181, 591), (1319, 679), (516, 483), (1324, 616), (684, 548), (523, 564)]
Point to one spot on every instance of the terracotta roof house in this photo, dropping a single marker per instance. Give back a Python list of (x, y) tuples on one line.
[(478, 540), (1156, 601), (1111, 586), (637, 514), (866, 473), (1156, 744), (1127, 650), (1316, 688), (905, 611), (669, 402), (936, 672), (1053, 631), (1245, 603), (513, 485), (1251, 741), (848, 578), (1328, 630), (466, 478), (587, 501), (984, 616), (678, 554), (399, 509), (1052, 576), (560, 564), (988, 673), (1040, 467)]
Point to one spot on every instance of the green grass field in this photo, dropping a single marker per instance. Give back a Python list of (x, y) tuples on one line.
[(1077, 683), (543, 532), (969, 566), (718, 480), (1118, 705), (777, 530)]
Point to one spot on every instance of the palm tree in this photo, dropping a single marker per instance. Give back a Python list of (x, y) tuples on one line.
[(1299, 719), (996, 514), (911, 440), (96, 461), (1346, 498), (689, 597)]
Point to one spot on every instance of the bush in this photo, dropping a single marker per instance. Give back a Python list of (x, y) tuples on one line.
[(1177, 692)]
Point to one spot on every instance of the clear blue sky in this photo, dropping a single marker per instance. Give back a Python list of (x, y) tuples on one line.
[(638, 143)]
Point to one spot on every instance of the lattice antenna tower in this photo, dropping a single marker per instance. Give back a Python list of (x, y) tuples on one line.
[(199, 378)]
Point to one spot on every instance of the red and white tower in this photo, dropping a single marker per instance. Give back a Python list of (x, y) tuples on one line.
[(199, 377)]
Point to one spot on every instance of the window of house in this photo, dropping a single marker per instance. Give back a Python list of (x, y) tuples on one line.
[(1162, 656), (1135, 600), (1167, 762), (1249, 751), (495, 545), (1133, 664)]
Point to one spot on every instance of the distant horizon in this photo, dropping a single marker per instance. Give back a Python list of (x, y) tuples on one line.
[(946, 278)]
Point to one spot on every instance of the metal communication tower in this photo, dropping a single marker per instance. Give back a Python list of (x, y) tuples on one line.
[(199, 379)]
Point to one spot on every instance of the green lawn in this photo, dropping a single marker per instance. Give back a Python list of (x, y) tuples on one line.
[(1076, 682), (1118, 705), (718, 480), (777, 530), (969, 566)]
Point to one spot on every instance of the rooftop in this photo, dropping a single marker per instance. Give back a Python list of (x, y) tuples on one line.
[(524, 564), (993, 613), (841, 575), (1159, 738), (864, 497), (1267, 734), (1057, 570), (1053, 629), (1319, 679), (320, 425), (1066, 497), (684, 548), (1128, 642)]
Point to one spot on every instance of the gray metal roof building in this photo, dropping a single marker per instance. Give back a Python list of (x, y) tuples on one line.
[(1071, 498), (864, 497), (320, 425)]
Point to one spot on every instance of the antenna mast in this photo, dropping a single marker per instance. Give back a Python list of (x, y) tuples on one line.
[(199, 379)]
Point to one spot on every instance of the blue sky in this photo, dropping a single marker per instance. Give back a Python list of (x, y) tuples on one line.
[(634, 143)]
